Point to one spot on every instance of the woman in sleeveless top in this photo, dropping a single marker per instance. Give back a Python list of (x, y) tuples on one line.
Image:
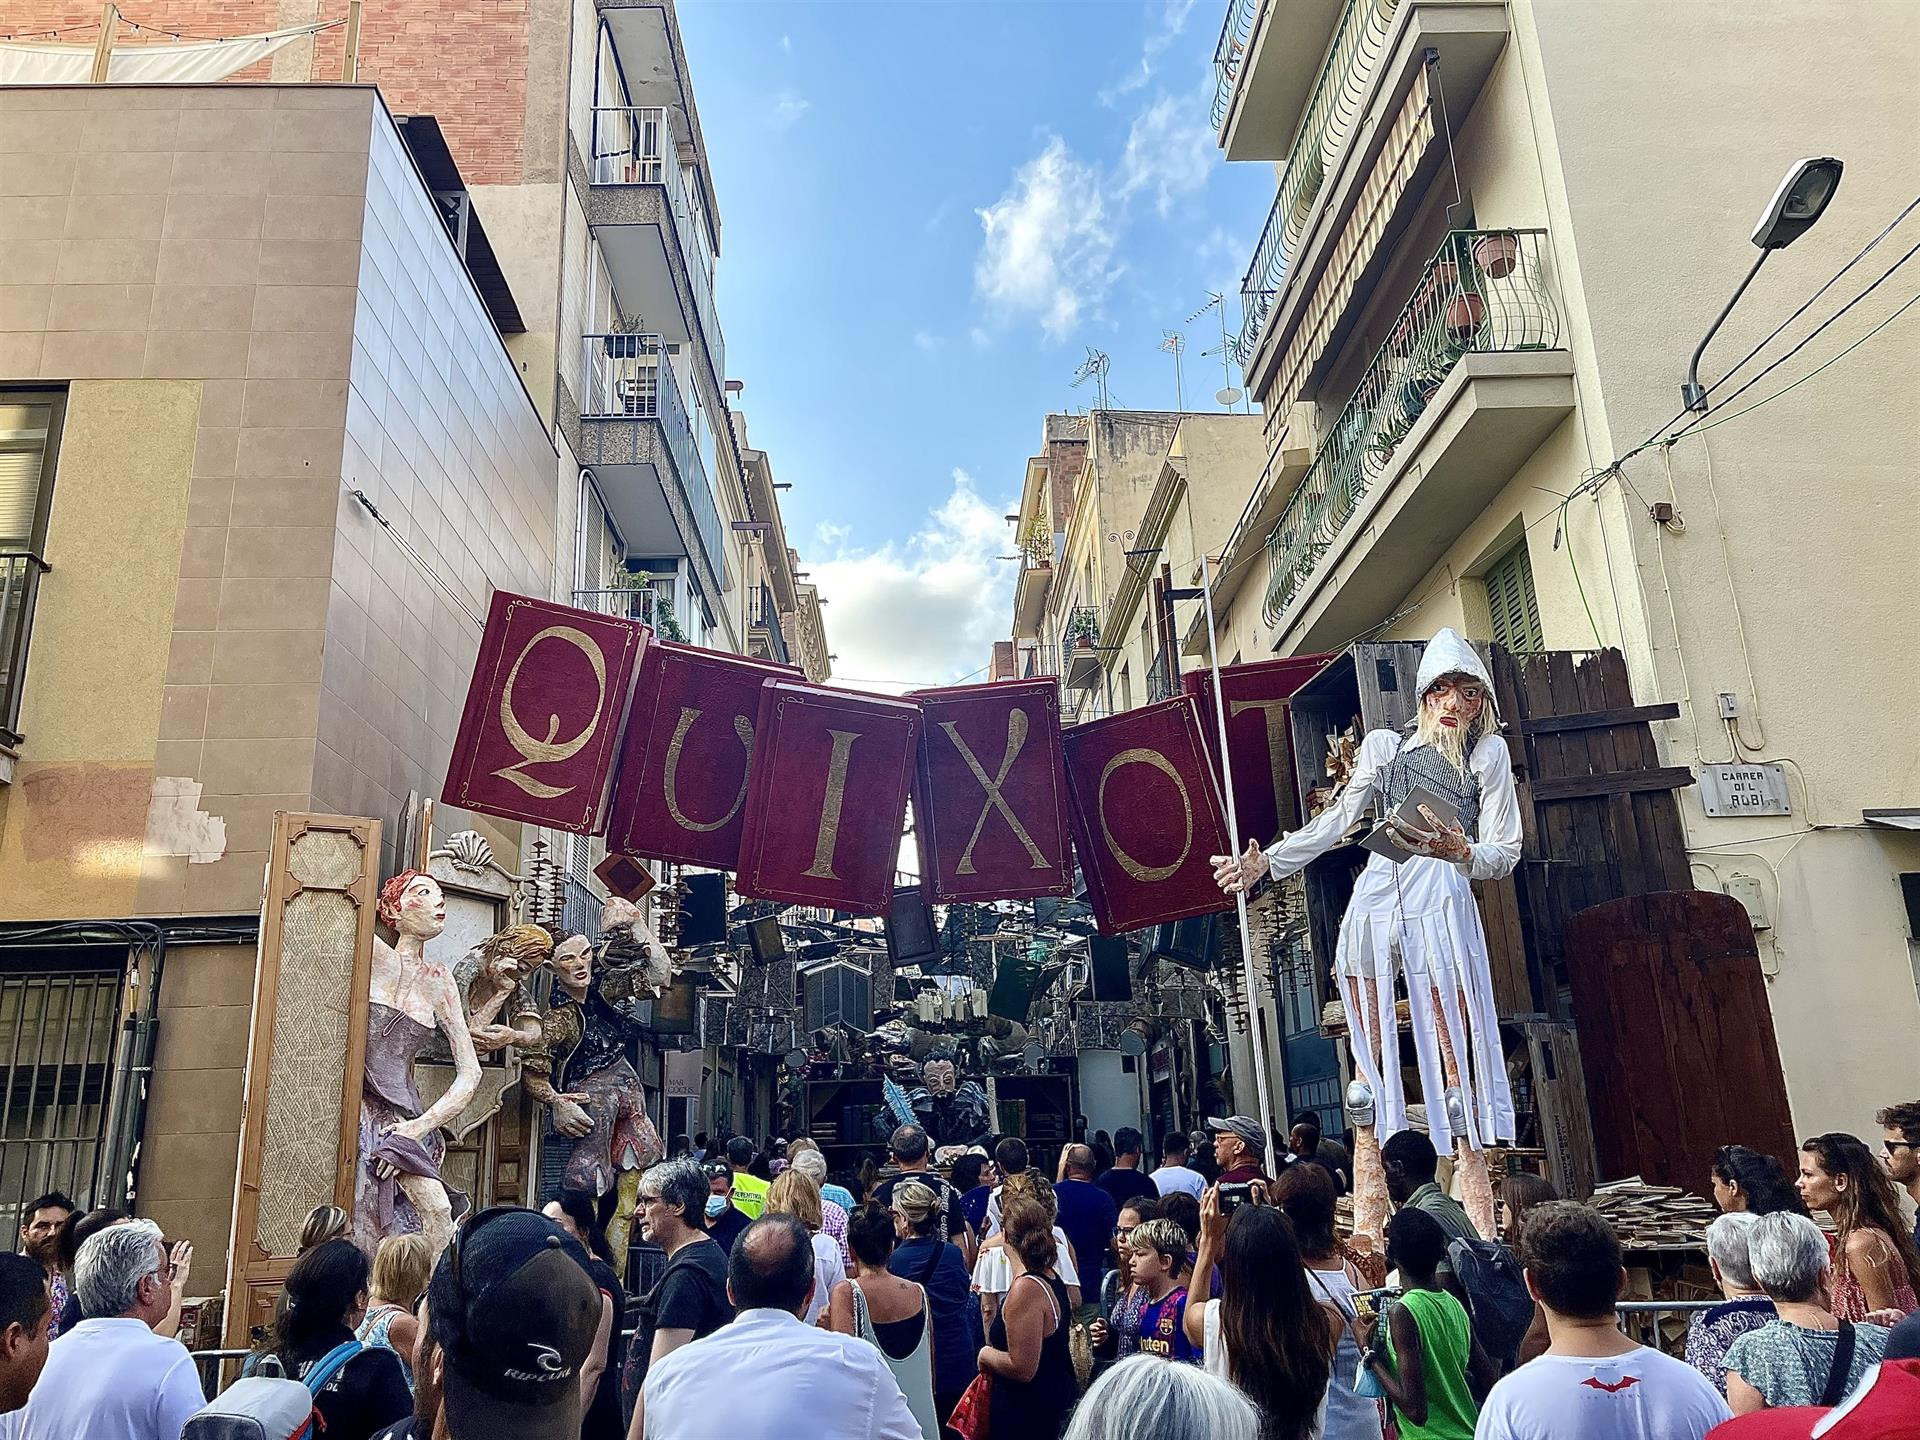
[(1875, 1262), (401, 1268), (1305, 1195), (1026, 1353), (887, 1312)]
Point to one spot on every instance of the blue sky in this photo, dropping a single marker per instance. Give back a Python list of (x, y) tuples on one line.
[(929, 211)]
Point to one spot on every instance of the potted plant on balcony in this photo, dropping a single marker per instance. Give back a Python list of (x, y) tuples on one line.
[(1082, 631), (1496, 252)]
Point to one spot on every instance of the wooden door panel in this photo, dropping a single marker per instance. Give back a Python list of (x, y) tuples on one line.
[(1676, 1034)]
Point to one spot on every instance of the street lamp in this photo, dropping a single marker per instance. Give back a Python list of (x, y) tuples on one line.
[(1799, 201)]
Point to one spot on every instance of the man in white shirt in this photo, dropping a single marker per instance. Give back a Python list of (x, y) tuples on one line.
[(1173, 1174), (1592, 1383), (768, 1375), (111, 1377)]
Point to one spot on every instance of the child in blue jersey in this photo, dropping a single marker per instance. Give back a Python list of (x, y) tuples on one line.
[(1159, 1268)]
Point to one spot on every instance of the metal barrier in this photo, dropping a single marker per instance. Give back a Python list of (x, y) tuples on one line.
[(1641, 1319)]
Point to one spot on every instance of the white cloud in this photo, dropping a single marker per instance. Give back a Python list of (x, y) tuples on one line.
[(786, 44), (1047, 244), (925, 612), (980, 337), (788, 107), (1170, 151), (926, 342), (1173, 22)]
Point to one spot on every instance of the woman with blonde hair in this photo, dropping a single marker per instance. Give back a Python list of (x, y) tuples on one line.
[(323, 1223), (794, 1193), (806, 1157), (402, 1266)]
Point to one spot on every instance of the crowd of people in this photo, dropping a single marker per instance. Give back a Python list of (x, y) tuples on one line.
[(1210, 1296)]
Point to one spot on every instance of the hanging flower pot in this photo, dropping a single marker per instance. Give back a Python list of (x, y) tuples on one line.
[(1496, 254), (1465, 312)]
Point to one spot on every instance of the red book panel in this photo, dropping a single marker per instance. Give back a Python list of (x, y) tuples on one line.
[(1259, 738), (682, 789), (990, 797), (1146, 816), (829, 797), (544, 712)]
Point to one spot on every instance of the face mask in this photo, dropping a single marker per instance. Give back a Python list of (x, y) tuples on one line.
[(716, 1206)]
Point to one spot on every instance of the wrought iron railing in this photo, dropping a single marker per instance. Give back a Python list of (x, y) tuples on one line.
[(628, 377), (1484, 290), (634, 145), (1230, 53), (1083, 623), (1037, 661), (1338, 101), (20, 572), (765, 615), (1163, 677)]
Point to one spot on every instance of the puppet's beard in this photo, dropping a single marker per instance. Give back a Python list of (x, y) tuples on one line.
[(1452, 741)]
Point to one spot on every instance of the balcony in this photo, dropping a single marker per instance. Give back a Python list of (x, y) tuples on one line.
[(1163, 677), (764, 635), (1264, 69), (649, 215), (1081, 643), (636, 436), (1357, 150), (628, 602), (20, 572), (1471, 380), (1035, 579)]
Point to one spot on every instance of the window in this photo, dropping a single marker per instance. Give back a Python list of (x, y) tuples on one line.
[(29, 442), (1512, 602)]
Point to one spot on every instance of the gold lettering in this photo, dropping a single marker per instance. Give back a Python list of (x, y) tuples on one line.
[(1016, 741), (829, 836), (1279, 743), (1139, 755), (547, 752), (741, 728)]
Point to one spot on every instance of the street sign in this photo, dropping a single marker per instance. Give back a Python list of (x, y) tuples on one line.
[(1745, 790)]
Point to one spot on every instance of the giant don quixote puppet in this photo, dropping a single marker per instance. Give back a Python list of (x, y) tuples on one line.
[(1419, 918)]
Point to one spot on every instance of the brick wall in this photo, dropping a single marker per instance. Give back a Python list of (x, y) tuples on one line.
[(462, 61)]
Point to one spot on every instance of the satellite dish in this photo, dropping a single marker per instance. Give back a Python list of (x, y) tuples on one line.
[(1132, 1042), (1229, 396)]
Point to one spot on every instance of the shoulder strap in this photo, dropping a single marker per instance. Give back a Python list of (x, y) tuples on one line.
[(1842, 1366), (862, 1321), (329, 1365)]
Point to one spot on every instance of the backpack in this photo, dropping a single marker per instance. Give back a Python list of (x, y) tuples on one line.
[(1497, 1300), (265, 1406)]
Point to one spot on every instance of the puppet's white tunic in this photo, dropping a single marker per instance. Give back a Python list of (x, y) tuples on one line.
[(1422, 914)]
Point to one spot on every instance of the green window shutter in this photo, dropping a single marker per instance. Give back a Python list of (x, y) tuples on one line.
[(1514, 605)]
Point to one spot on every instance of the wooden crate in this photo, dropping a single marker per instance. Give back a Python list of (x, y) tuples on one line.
[(1560, 1095)]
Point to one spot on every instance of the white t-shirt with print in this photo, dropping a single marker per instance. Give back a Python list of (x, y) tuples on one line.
[(1641, 1395)]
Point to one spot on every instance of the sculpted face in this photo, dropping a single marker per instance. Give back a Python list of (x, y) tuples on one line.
[(422, 910), (1455, 701), (940, 1077), (573, 961)]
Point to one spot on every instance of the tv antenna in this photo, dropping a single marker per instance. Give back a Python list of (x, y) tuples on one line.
[(1228, 394), (1094, 368), (1174, 343)]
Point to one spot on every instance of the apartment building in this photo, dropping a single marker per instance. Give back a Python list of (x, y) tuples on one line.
[(1498, 231), (293, 374)]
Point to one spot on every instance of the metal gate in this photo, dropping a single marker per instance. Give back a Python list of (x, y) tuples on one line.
[(57, 1033)]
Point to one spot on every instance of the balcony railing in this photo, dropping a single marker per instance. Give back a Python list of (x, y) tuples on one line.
[(1484, 290), (627, 603), (1230, 53), (1036, 662), (634, 145), (1337, 103), (763, 614), (1163, 678), (628, 377), (20, 572)]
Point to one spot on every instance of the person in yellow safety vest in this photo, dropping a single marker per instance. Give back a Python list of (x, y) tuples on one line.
[(749, 1191)]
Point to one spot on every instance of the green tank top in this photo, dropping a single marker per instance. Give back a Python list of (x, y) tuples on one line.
[(1445, 1343)]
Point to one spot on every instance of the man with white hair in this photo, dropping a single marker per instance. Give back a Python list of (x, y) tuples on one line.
[(110, 1377), (1711, 1332)]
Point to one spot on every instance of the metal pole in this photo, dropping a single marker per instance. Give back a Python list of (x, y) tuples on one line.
[(1259, 1037)]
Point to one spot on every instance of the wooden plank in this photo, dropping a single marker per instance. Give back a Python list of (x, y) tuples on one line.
[(1579, 787), (1597, 719)]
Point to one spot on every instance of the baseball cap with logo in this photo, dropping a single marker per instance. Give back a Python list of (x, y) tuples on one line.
[(514, 1312)]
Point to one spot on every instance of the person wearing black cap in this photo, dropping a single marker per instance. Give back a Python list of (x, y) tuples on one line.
[(506, 1325), (768, 1374)]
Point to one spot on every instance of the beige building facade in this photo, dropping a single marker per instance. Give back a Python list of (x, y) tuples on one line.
[(1498, 233)]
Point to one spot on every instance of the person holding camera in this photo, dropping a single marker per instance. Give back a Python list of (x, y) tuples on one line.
[(1268, 1332)]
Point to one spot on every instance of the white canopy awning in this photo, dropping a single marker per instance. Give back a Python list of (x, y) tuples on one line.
[(178, 62)]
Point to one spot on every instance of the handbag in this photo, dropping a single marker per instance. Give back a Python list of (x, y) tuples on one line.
[(972, 1412)]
